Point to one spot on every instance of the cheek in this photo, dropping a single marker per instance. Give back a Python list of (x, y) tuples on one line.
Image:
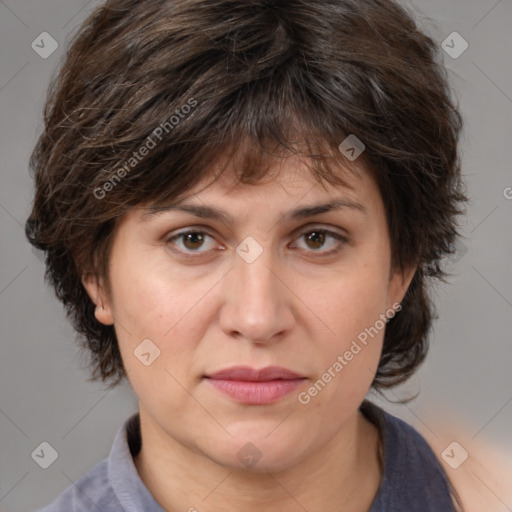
[(152, 303), (351, 306), (352, 300), (149, 298)]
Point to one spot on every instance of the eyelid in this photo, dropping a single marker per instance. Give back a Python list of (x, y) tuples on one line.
[(297, 233), (320, 227), (192, 229), (342, 240)]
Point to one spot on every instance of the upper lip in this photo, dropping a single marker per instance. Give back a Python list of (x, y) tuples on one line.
[(247, 373)]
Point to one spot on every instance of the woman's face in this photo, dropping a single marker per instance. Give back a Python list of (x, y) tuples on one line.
[(259, 281)]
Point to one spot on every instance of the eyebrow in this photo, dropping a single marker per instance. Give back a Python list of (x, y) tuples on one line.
[(211, 212)]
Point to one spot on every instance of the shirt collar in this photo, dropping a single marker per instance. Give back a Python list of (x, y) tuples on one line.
[(128, 487), (134, 496)]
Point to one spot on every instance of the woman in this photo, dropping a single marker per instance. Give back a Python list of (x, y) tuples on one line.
[(241, 203)]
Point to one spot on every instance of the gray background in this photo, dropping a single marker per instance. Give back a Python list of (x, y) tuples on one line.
[(44, 395)]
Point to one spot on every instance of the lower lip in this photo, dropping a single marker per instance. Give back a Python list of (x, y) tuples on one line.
[(256, 393)]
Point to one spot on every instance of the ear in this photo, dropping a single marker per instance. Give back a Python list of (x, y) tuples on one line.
[(95, 291), (399, 283)]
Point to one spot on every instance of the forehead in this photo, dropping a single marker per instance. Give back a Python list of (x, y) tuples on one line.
[(291, 191), (284, 179)]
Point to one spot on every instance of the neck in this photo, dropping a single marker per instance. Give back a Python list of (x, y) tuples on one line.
[(344, 474)]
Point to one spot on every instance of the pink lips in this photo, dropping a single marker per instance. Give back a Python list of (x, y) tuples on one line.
[(257, 387)]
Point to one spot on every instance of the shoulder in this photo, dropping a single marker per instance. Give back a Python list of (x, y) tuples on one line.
[(472, 468), (479, 469), (412, 477), (89, 493)]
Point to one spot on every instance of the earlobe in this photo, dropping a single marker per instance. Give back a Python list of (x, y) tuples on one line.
[(103, 316), (93, 289)]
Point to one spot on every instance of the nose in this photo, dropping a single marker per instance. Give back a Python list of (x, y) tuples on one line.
[(258, 305)]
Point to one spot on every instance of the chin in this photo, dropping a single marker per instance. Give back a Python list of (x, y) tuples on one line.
[(259, 454)]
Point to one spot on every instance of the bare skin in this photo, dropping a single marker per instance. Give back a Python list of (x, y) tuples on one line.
[(296, 306)]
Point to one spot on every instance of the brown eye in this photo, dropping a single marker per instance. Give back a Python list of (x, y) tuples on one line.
[(192, 241), (315, 240)]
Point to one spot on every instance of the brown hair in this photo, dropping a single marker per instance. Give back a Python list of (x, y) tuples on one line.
[(286, 77)]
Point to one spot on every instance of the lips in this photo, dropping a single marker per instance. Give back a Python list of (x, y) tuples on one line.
[(253, 386), (248, 374)]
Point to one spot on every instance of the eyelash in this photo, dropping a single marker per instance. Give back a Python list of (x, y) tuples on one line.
[(328, 233)]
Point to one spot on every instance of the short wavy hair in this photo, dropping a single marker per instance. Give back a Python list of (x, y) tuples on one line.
[(284, 77)]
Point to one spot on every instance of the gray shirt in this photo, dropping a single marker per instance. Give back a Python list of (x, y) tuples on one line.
[(412, 481)]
